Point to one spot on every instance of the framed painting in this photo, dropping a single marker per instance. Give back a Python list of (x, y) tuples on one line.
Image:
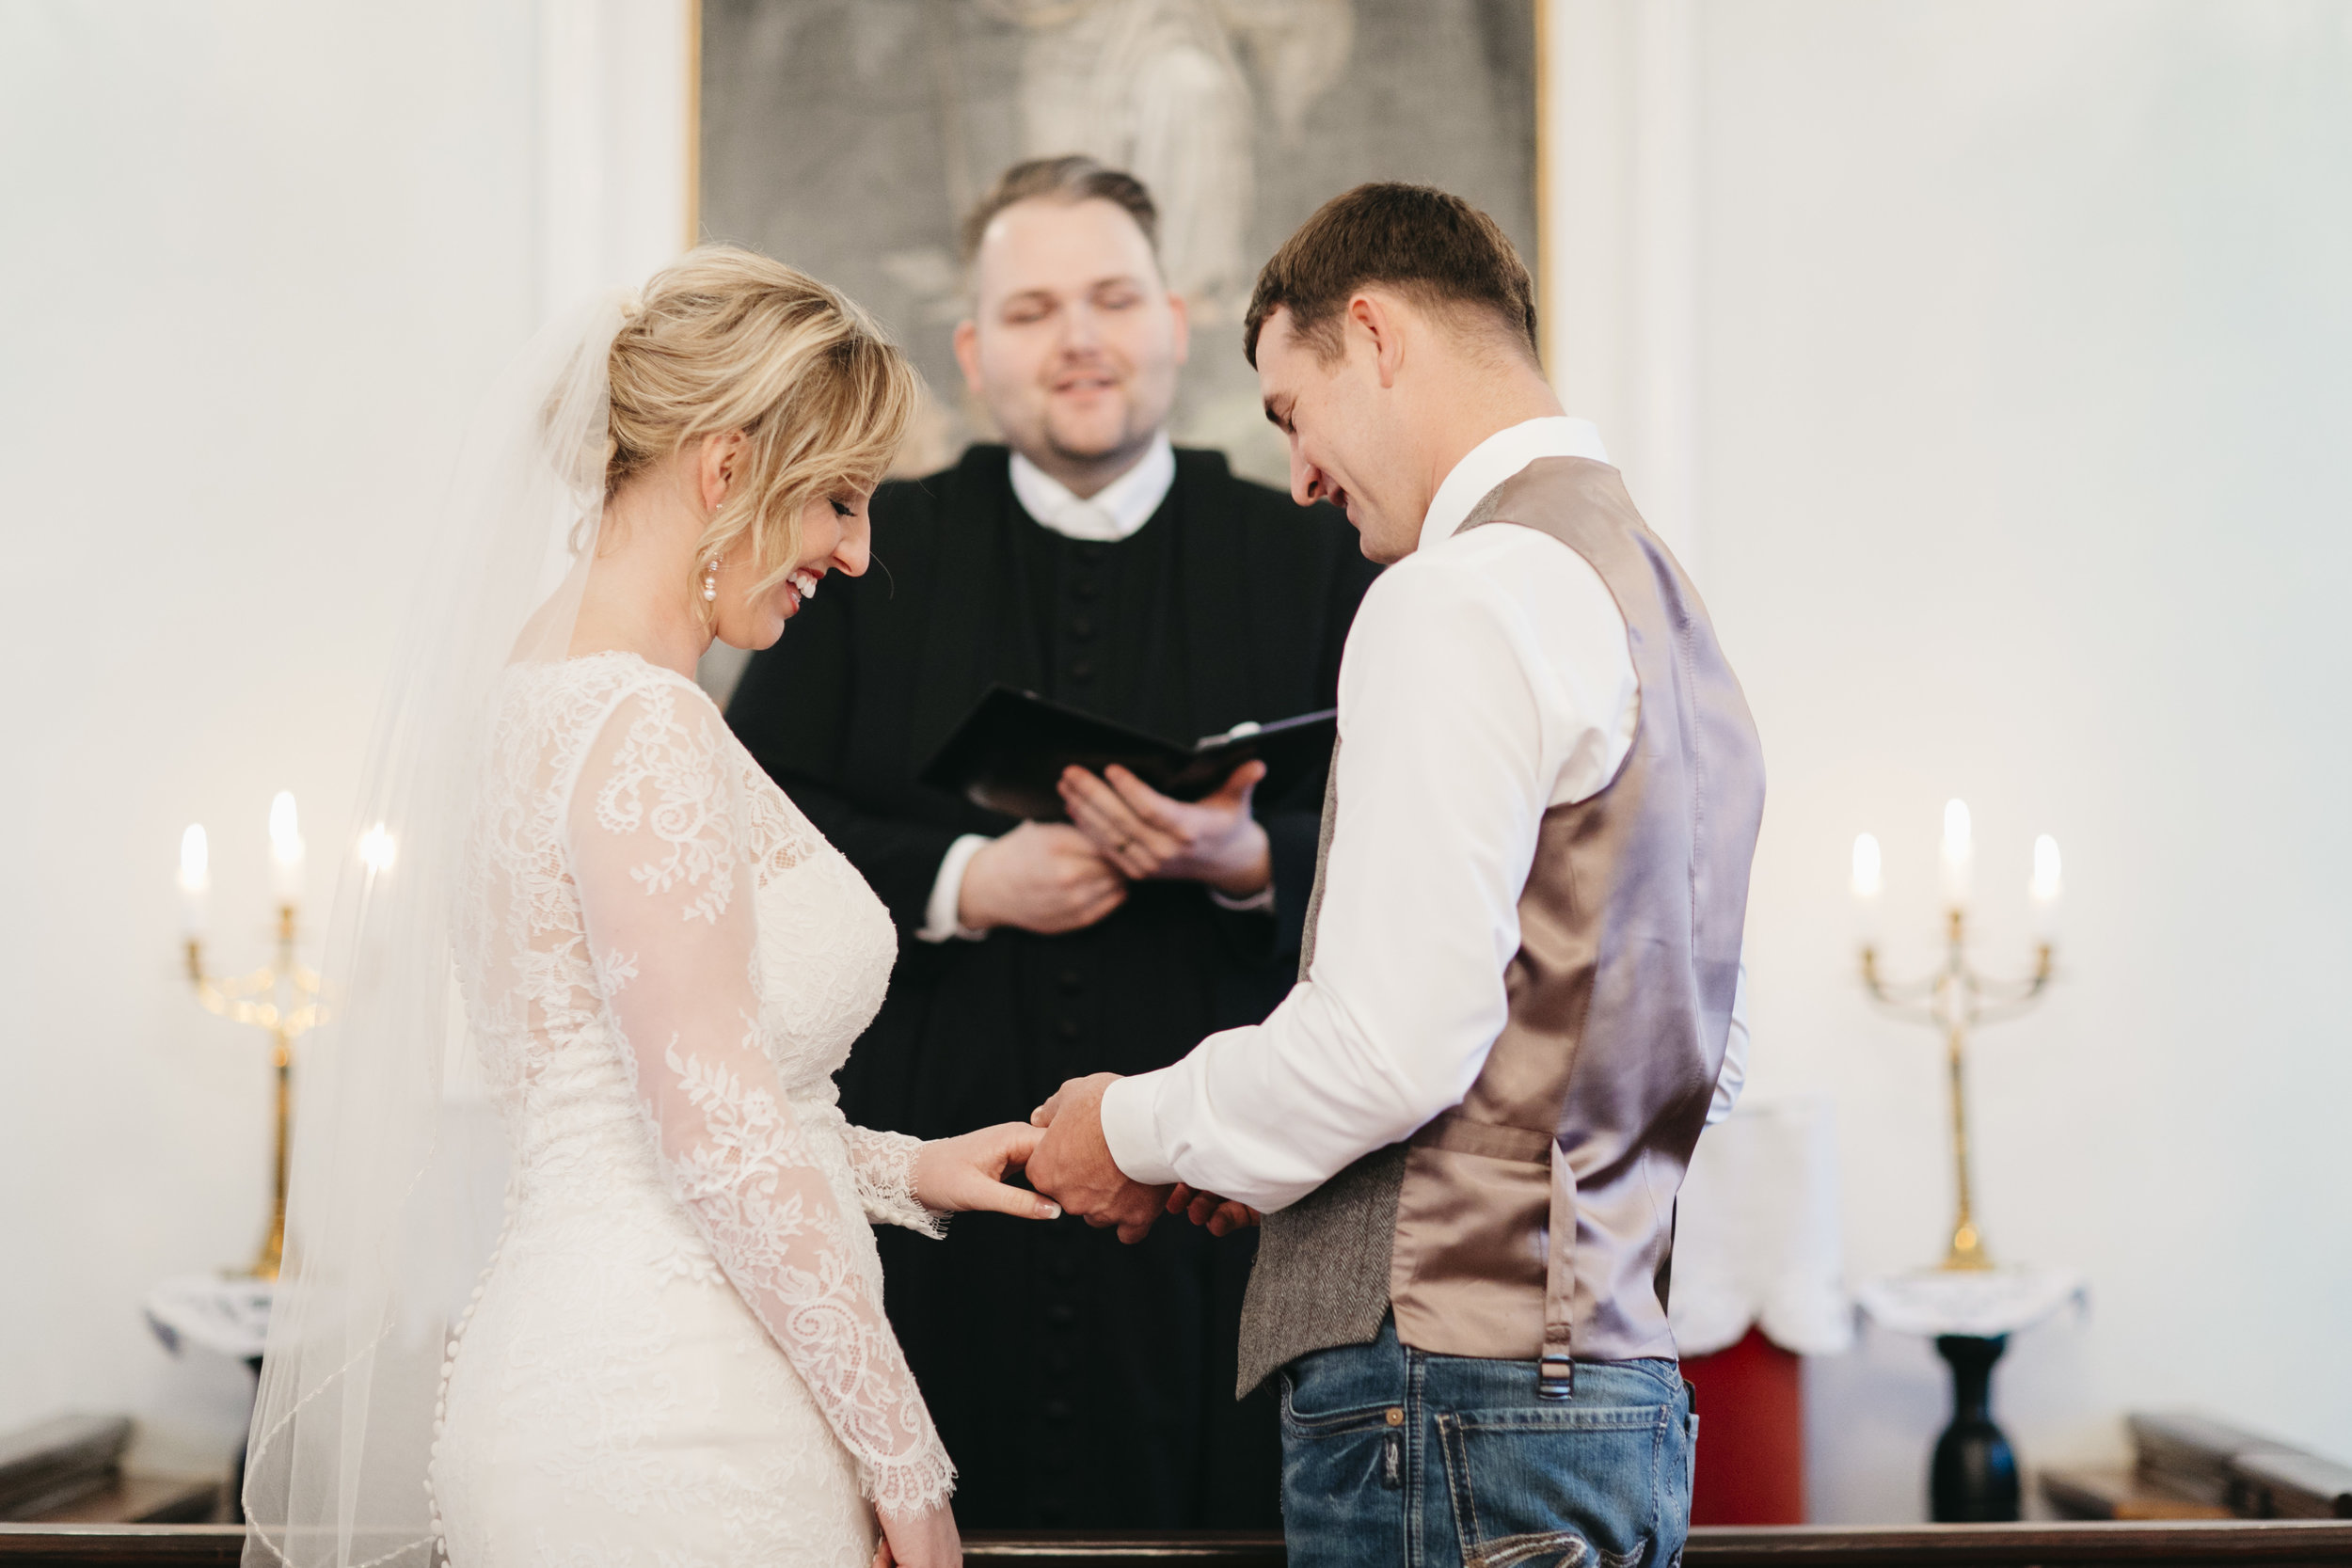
[(847, 137)]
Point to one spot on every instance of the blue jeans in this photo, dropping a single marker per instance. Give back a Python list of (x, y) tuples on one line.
[(1393, 1456)]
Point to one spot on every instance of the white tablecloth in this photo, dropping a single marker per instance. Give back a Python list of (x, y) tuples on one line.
[(1757, 1234), (1990, 1302), (229, 1316)]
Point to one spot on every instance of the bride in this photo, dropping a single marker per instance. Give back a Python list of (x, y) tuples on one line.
[(674, 1349)]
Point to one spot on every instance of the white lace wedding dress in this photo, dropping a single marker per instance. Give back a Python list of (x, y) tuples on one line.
[(677, 1355)]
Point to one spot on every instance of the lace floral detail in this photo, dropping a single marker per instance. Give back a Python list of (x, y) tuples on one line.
[(883, 1167), (683, 1335), (753, 1188), (691, 821), (656, 860)]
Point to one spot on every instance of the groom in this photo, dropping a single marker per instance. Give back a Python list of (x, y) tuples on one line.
[(1466, 1124)]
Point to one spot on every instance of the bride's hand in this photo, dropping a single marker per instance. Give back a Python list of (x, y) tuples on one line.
[(952, 1175), (925, 1539)]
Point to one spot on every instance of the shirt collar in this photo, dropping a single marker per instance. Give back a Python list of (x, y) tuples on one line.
[(1499, 457), (1112, 512)]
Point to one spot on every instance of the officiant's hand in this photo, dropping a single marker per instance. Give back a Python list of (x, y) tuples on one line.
[(955, 1175), (1145, 834), (1041, 876), (1222, 1215), (1072, 1163)]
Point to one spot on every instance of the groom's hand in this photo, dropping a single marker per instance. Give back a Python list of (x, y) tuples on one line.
[(1222, 1215), (1072, 1163)]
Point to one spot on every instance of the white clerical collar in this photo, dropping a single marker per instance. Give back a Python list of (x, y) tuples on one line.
[(1112, 512), (1497, 458)]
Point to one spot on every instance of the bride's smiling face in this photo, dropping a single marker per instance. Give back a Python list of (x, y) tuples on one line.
[(835, 532)]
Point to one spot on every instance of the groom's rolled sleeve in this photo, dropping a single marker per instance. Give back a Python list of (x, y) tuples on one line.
[(1448, 757)]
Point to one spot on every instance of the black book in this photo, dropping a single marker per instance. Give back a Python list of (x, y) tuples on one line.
[(1012, 748)]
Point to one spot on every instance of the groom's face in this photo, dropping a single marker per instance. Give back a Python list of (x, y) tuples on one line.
[(1330, 409)]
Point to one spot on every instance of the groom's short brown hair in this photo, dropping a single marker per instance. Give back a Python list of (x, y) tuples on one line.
[(1415, 239)]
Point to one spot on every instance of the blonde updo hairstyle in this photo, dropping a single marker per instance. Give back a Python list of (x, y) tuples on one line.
[(726, 340)]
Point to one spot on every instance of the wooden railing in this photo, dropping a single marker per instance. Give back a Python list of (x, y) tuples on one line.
[(2187, 1543)]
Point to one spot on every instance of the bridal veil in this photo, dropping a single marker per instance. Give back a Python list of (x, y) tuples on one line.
[(395, 1204)]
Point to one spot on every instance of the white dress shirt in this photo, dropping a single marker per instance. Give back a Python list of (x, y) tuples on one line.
[(1485, 680), (1110, 514)]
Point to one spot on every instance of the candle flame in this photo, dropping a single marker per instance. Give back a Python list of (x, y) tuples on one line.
[(1867, 878), (2046, 867), (285, 832), (377, 848), (1956, 827), (195, 858)]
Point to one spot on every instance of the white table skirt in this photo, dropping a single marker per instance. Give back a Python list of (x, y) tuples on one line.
[(1757, 1234)]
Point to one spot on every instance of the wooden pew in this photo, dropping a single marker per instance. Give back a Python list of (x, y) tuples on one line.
[(2183, 1543)]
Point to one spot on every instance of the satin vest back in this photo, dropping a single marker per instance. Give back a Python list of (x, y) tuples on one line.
[(1534, 1221)]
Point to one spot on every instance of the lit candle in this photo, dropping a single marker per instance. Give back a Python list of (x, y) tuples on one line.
[(1869, 881), (1960, 854), (378, 850), (285, 849), (2044, 889), (196, 879)]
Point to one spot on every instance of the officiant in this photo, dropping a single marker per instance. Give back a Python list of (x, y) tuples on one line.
[(1078, 1384)]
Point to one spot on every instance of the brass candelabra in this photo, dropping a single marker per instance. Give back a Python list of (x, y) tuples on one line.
[(1957, 997), (281, 996)]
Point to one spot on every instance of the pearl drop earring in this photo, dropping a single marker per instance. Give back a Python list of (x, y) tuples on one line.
[(710, 580)]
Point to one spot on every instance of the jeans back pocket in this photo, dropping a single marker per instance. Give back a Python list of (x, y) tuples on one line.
[(1565, 1488)]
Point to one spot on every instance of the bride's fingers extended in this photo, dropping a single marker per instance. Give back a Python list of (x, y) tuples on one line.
[(1018, 1202)]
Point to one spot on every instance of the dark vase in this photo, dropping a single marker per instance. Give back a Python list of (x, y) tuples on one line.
[(1974, 1478)]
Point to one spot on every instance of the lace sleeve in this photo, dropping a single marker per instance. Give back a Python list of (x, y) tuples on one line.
[(658, 829), (883, 1164)]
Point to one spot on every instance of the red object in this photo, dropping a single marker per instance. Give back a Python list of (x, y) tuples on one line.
[(1750, 1405)]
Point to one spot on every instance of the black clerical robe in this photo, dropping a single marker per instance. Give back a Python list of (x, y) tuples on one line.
[(1078, 1383)]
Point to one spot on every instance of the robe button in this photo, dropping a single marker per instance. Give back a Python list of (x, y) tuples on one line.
[(1072, 982), (1083, 590), (1061, 1314), (1082, 629), (1082, 670), (1090, 553), (1059, 1410), (1068, 1029)]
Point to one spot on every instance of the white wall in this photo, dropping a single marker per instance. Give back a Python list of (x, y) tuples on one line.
[(2001, 350), (257, 259), (2023, 364)]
